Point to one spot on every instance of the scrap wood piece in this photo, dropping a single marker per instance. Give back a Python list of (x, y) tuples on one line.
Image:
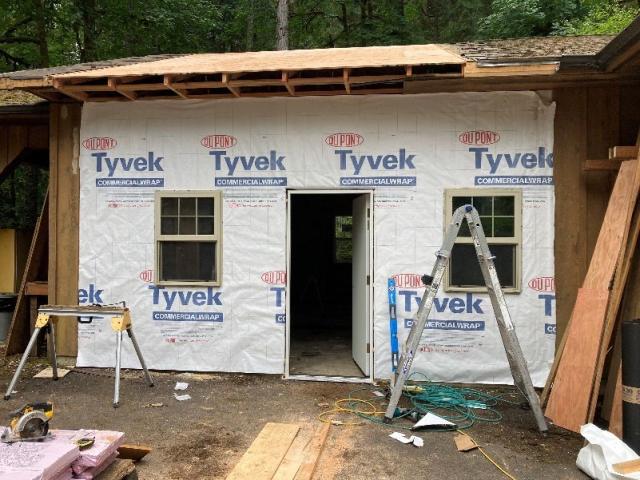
[(568, 403), (263, 457), (464, 442), (292, 461), (118, 470), (133, 452), (313, 453), (48, 373), (630, 466)]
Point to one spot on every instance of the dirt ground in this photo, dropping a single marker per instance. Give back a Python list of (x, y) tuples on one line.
[(203, 438)]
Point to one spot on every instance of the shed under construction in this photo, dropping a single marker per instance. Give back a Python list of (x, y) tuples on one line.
[(250, 207)]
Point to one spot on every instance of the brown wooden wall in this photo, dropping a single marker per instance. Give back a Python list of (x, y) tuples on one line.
[(64, 193), (589, 120)]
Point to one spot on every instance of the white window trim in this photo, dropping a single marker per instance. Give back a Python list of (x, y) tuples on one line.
[(216, 237), (515, 240)]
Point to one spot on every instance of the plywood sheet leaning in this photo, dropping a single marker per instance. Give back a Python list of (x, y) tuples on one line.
[(570, 396), (263, 457), (569, 399)]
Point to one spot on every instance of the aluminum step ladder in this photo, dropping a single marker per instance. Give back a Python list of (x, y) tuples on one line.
[(517, 362)]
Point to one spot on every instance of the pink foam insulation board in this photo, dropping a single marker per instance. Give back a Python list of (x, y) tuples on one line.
[(106, 443), (45, 460)]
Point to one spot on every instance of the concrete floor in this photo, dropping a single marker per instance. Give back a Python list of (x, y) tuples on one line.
[(321, 352)]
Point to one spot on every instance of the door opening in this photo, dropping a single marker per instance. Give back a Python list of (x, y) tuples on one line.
[(328, 284)]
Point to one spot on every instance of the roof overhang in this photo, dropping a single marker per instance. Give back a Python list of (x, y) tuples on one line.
[(333, 71)]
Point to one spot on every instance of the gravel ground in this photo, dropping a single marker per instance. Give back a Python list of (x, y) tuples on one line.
[(204, 437)]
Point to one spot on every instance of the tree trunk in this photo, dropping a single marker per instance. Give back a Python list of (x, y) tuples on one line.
[(282, 31), (87, 9), (41, 29), (250, 26)]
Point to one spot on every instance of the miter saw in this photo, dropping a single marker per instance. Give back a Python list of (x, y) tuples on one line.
[(29, 423)]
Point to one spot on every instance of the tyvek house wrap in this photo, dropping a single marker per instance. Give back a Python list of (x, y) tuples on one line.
[(239, 326)]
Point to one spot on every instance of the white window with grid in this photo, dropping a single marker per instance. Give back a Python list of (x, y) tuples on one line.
[(188, 234)]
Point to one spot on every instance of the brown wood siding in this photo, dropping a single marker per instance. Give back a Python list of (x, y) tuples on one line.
[(64, 188), (588, 121)]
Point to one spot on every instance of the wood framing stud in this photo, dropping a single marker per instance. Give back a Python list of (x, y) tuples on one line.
[(61, 87), (611, 165), (225, 82), (622, 153), (290, 88), (408, 70), (113, 84), (168, 83), (345, 79)]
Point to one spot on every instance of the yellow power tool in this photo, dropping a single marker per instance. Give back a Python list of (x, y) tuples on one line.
[(29, 423)]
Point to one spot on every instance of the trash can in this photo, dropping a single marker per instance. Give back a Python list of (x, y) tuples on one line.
[(7, 304)]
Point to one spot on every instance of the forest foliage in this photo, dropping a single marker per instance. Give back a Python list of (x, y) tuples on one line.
[(42, 33)]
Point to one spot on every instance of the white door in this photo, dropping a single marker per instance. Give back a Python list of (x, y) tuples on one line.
[(360, 282)]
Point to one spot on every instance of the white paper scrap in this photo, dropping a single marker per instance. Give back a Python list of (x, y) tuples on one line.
[(431, 420), (401, 437), (181, 386), (181, 398), (378, 393)]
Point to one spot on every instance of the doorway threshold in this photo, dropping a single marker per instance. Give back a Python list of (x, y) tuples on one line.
[(328, 378)]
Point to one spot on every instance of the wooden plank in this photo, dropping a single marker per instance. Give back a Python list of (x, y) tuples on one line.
[(615, 296), (64, 184), (308, 59), (629, 466), (313, 453), (37, 288), (133, 452), (19, 330), (612, 165), (568, 402), (615, 418), (464, 443), (263, 457), (623, 152), (118, 470), (292, 461)]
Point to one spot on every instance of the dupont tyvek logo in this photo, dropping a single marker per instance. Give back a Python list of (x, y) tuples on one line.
[(357, 163), (90, 295), (276, 277), (479, 137), (505, 162), (114, 167), (99, 143), (252, 166), (218, 141), (408, 280), (550, 328), (146, 275), (542, 284), (344, 139), (172, 304), (457, 305)]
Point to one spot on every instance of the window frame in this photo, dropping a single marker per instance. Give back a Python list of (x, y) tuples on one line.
[(215, 237), (515, 240)]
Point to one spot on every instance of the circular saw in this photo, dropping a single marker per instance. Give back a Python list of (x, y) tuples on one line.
[(29, 423)]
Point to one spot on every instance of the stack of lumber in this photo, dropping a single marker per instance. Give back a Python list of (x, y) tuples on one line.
[(280, 453), (575, 381)]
